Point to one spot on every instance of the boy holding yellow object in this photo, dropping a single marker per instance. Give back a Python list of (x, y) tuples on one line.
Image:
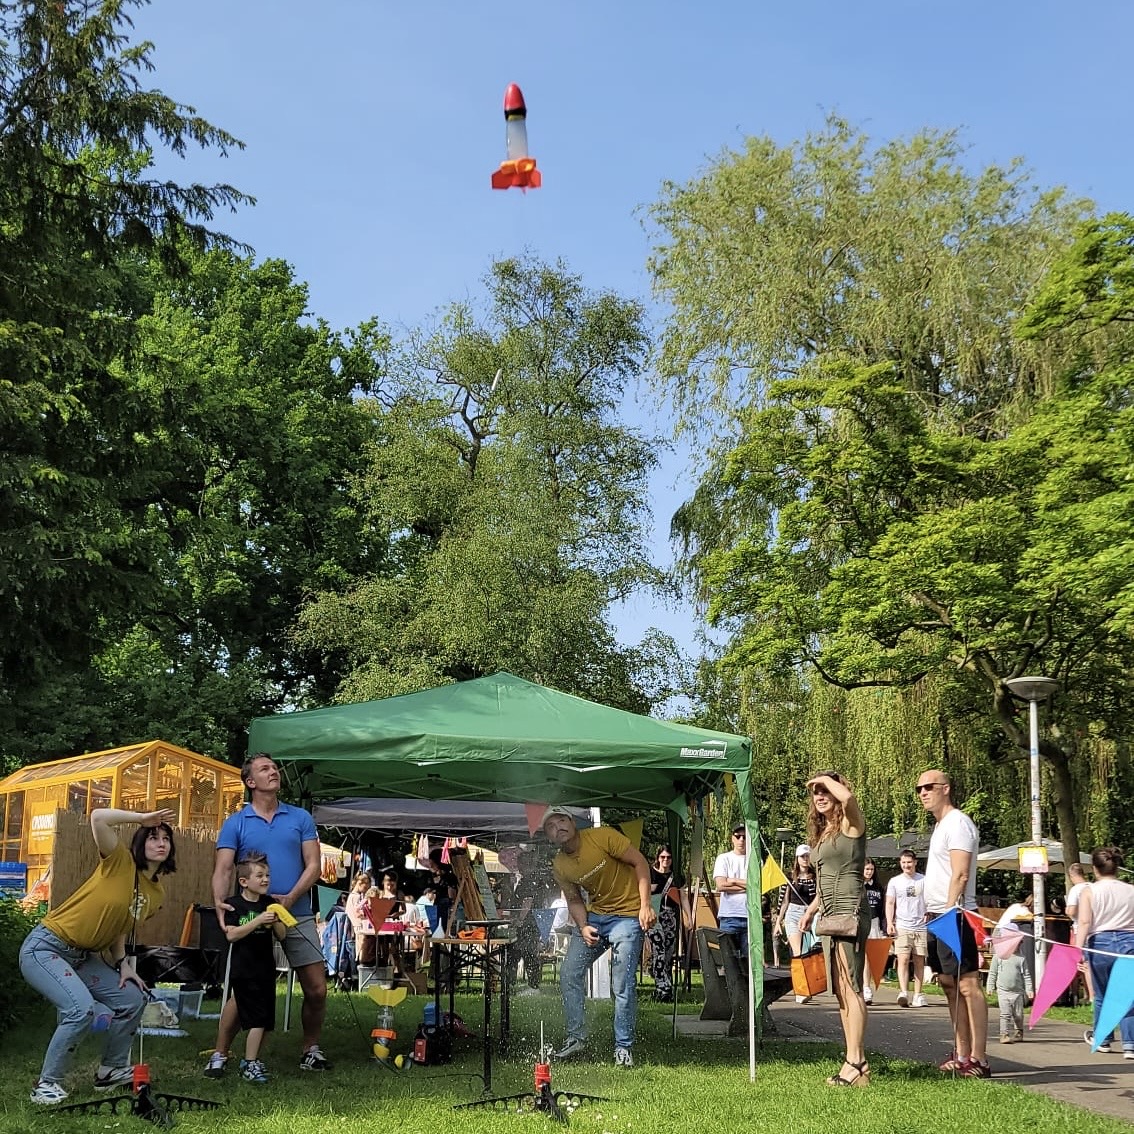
[(249, 924)]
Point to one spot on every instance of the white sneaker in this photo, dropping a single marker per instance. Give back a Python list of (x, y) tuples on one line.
[(623, 1058), (47, 1093), (867, 995), (114, 1077), (803, 999), (919, 1001), (1127, 1053)]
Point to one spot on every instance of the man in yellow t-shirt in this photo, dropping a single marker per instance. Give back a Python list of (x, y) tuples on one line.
[(615, 915)]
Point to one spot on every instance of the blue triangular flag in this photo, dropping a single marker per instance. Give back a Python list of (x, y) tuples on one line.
[(1117, 1001), (947, 928)]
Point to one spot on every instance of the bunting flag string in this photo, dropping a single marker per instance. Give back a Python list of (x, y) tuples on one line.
[(771, 876)]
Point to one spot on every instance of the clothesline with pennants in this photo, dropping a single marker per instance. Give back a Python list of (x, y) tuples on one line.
[(1060, 967)]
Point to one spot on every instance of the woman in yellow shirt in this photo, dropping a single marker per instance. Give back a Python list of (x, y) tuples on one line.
[(76, 956)]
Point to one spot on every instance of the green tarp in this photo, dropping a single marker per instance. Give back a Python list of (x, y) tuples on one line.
[(499, 738)]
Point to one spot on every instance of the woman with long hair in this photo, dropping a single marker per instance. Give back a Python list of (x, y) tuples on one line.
[(1106, 924), (838, 841), (77, 957), (795, 897), (874, 895), (663, 936)]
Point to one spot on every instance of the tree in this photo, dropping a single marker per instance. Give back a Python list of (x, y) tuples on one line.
[(512, 498), (893, 506), (258, 434), (78, 219)]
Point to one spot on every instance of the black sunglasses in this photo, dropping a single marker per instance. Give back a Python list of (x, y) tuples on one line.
[(928, 787)]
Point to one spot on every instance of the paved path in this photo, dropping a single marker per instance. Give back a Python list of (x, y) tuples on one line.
[(1053, 1058)]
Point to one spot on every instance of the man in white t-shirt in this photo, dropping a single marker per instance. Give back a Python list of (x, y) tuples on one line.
[(730, 876), (905, 922), (950, 883)]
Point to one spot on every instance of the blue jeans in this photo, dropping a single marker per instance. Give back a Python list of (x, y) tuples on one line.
[(737, 929), (1114, 941), (75, 981), (623, 936)]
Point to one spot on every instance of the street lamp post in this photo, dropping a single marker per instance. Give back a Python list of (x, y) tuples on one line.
[(1033, 690)]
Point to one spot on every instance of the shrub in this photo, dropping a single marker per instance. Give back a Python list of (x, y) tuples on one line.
[(15, 995)]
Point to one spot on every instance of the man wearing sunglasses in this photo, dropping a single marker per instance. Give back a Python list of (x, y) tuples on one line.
[(950, 883)]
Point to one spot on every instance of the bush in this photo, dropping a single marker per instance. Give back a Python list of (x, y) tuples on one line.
[(15, 995)]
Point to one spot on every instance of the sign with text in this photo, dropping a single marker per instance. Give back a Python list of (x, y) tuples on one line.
[(14, 879)]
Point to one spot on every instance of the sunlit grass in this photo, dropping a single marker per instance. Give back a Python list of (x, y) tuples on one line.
[(693, 1085)]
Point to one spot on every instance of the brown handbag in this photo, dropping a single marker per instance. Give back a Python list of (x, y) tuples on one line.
[(837, 925)]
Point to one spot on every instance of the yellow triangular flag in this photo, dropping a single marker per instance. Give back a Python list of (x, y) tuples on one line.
[(771, 876), (632, 829)]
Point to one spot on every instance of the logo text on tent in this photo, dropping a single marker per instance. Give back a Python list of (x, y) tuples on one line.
[(711, 750)]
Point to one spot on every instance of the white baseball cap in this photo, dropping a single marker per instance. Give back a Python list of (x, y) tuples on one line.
[(802, 849)]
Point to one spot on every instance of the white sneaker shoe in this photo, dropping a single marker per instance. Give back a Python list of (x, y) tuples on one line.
[(803, 1000), (919, 1001), (114, 1077), (623, 1058), (47, 1093), (867, 995)]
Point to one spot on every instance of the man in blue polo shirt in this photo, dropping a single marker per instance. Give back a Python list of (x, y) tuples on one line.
[(287, 836)]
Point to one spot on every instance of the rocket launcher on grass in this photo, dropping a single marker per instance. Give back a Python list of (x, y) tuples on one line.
[(518, 170)]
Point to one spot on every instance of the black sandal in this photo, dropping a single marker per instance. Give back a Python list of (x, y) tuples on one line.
[(860, 1078)]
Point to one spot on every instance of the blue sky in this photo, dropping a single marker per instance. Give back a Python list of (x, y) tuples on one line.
[(372, 128)]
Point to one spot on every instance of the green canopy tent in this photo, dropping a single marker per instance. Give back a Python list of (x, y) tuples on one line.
[(501, 738)]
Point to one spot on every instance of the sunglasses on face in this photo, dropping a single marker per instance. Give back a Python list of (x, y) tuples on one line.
[(928, 787)]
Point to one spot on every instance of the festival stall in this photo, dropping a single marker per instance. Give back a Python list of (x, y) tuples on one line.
[(501, 739)]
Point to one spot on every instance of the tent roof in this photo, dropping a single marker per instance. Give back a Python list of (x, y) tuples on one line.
[(1008, 858), (498, 738), (440, 816)]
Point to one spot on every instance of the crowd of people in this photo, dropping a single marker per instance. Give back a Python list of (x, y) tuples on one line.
[(81, 956)]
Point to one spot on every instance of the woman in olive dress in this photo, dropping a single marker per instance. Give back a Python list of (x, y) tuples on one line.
[(837, 833)]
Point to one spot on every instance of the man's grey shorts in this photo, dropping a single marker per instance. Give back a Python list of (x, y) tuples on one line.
[(301, 945)]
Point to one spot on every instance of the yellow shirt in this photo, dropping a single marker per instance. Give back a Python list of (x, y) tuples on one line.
[(103, 908), (610, 883)]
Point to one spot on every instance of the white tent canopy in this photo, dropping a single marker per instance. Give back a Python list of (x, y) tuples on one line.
[(1008, 858)]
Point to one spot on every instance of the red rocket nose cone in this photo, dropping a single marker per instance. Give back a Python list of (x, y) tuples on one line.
[(514, 100)]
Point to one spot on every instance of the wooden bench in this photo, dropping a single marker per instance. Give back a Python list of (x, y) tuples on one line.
[(726, 983)]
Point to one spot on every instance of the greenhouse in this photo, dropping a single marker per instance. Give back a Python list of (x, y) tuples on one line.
[(200, 791)]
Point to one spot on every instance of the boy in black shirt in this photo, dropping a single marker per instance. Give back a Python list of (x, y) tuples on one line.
[(249, 926)]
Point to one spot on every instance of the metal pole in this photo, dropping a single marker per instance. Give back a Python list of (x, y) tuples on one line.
[(1037, 837)]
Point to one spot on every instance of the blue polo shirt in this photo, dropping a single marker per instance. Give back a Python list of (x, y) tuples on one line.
[(281, 840)]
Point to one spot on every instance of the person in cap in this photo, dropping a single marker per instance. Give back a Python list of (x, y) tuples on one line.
[(615, 915), (730, 877), (795, 897)]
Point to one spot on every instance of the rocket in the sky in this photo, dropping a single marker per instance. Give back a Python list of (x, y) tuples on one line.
[(518, 170)]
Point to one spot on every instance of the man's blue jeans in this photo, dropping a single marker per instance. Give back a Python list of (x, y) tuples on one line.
[(737, 929), (623, 936)]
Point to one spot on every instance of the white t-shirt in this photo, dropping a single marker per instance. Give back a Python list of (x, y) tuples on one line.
[(956, 831), (908, 892), (1073, 896), (731, 865), (1112, 906), (1015, 912)]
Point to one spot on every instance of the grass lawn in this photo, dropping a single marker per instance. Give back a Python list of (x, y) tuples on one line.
[(690, 1085)]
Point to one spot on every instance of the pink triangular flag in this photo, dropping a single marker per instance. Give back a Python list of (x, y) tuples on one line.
[(1117, 1000), (1006, 941), (1059, 971)]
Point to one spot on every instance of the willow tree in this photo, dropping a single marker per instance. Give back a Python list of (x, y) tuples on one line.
[(843, 317)]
